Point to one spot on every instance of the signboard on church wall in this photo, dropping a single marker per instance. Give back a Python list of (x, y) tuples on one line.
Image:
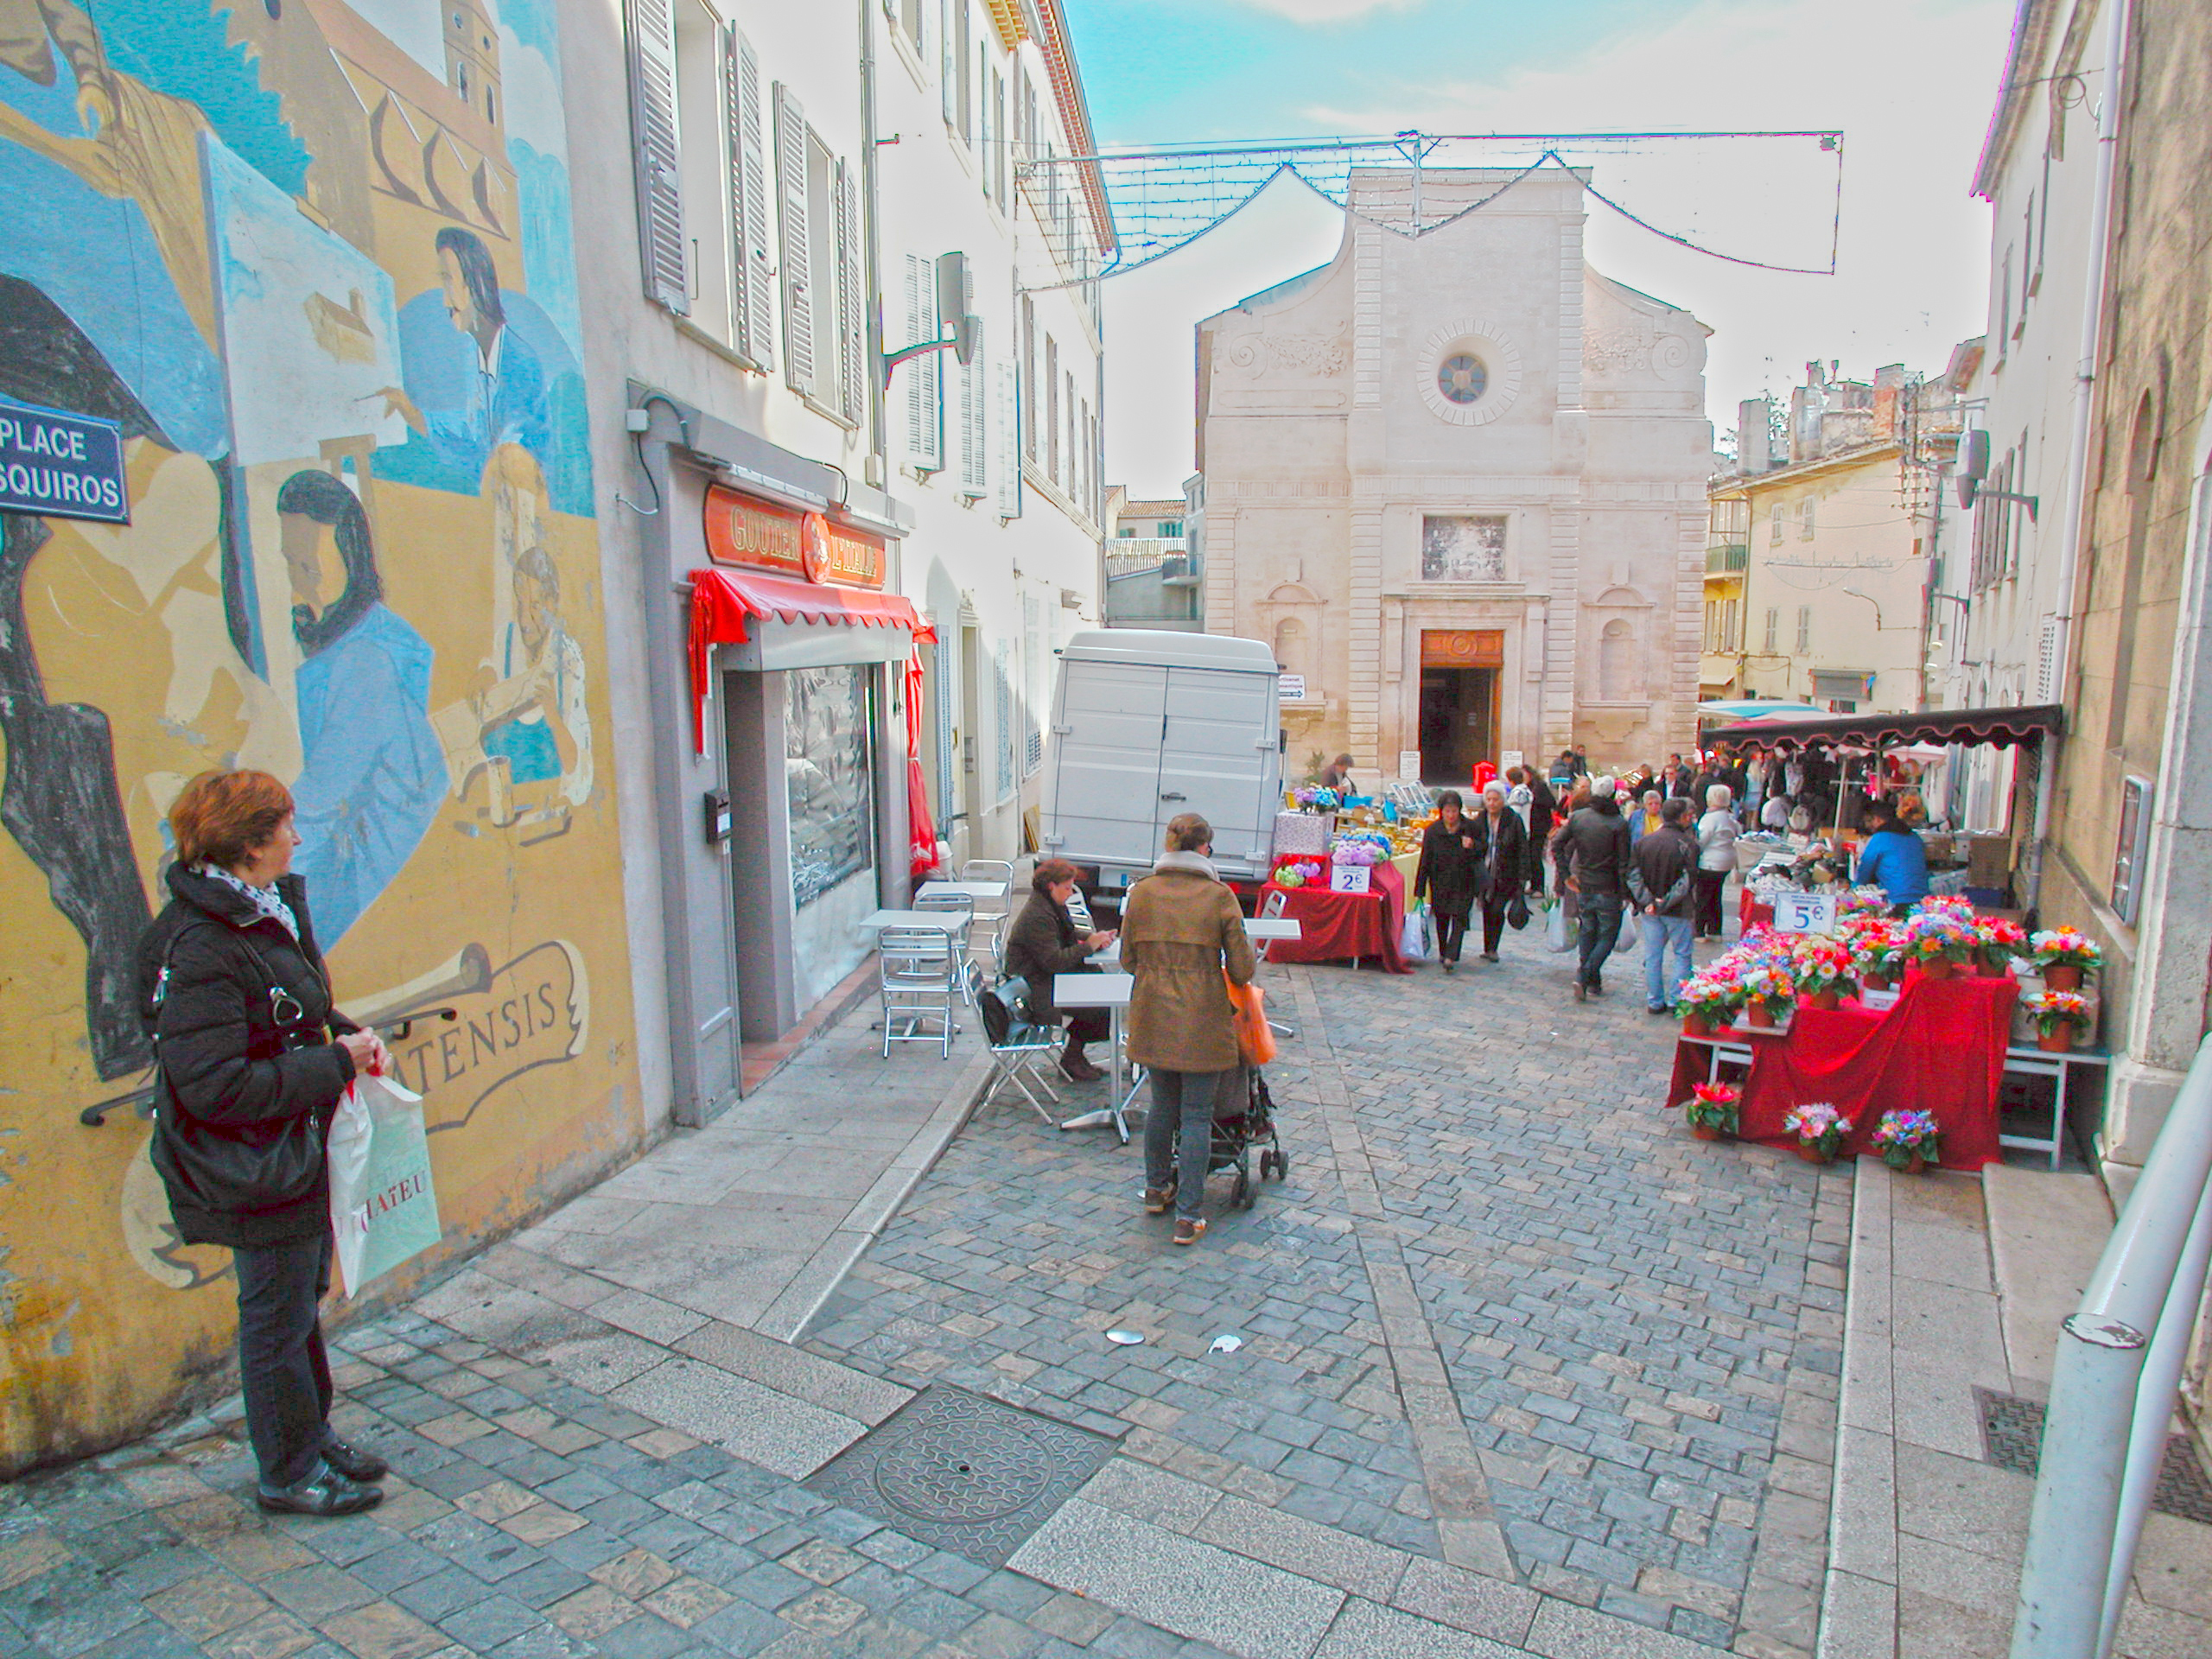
[(1463, 648)]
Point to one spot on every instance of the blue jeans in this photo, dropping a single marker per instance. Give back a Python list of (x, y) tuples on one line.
[(1600, 931), (1183, 1102), (1661, 934)]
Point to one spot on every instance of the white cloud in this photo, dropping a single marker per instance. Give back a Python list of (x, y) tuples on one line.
[(1327, 11), (1909, 83)]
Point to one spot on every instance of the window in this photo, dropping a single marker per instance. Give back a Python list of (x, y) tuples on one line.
[(1006, 444), (2004, 306), (830, 777), (1805, 519), (959, 91), (975, 421), (995, 141), (1805, 629), (1028, 377), (1171, 527), (1731, 638), (1002, 676), (925, 399), (2129, 863), (1774, 524), (1032, 657), (1052, 410), (818, 210), (1773, 629), (910, 13)]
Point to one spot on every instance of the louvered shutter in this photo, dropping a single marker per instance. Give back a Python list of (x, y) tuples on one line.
[(852, 325), (949, 64), (2047, 660), (1006, 377), (975, 421), (653, 130), (753, 298), (791, 200), (924, 409)]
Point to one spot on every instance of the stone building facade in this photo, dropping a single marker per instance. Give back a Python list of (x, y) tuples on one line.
[(1457, 480)]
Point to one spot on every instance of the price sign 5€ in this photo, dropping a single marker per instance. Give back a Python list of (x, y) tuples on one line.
[(1804, 912)]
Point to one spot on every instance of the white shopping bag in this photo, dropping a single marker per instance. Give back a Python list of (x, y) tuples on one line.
[(383, 1206), (1415, 939), (1556, 933)]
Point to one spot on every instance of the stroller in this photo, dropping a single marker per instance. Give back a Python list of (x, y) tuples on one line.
[(1235, 1134)]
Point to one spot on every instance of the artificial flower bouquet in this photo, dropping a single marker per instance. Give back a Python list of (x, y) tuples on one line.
[(1708, 1000), (1767, 987), (1820, 1129), (1299, 872), (2062, 955), (2002, 942), (1822, 968), (1939, 939), (1909, 1140), (1313, 798), (2058, 1016), (1357, 849), (1712, 1111), (1877, 950)]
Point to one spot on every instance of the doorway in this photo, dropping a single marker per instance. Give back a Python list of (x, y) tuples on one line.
[(1459, 722)]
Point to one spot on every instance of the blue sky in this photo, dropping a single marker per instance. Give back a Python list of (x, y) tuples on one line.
[(1909, 82)]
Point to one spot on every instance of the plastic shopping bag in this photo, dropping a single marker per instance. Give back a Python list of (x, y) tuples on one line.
[(1416, 937), (383, 1206), (1556, 933), (1256, 1037)]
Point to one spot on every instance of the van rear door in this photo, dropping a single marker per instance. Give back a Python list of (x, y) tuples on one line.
[(1106, 770), (1216, 753)]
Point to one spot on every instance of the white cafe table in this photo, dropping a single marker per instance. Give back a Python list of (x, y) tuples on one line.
[(942, 921), (1265, 929), (1110, 991), (975, 890)]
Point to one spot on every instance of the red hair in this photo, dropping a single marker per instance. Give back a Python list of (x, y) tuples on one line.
[(222, 816)]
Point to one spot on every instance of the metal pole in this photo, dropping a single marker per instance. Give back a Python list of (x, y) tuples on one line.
[(2154, 1408)]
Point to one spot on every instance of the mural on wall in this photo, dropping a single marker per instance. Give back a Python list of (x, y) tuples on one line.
[(314, 260)]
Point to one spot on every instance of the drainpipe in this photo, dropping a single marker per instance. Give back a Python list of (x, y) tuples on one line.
[(2085, 379)]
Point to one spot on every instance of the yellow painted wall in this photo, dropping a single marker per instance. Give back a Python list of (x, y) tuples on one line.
[(250, 240)]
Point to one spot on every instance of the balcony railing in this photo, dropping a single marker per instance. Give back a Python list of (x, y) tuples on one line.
[(1727, 561)]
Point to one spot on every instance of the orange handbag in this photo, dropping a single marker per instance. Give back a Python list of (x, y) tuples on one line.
[(1256, 1037)]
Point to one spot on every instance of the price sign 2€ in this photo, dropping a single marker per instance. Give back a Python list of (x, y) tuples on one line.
[(1804, 912)]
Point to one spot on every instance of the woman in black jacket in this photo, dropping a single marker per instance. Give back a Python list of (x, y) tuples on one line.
[(251, 1072), (1447, 875), (1500, 851), (1045, 941)]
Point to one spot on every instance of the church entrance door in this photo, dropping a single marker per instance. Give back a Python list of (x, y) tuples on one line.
[(1458, 723)]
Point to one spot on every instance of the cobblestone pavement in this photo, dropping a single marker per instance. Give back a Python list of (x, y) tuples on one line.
[(1521, 1370), (1638, 1334)]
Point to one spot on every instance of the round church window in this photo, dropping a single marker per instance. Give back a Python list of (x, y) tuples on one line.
[(1462, 378)]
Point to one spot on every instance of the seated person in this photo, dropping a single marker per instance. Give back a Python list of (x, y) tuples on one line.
[(1892, 859), (1045, 941)]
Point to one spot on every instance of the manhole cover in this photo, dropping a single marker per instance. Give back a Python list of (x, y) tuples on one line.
[(964, 1472), (2011, 1432)]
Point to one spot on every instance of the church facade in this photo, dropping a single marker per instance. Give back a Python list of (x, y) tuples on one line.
[(1458, 482)]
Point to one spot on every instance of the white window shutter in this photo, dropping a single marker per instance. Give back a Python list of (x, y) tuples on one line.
[(798, 285), (925, 409), (1006, 377), (2047, 661), (653, 134), (949, 64), (975, 421), (852, 322), (1003, 672), (754, 297)]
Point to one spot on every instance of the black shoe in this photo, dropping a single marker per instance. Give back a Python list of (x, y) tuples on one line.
[(1489, 956), (1581, 992), (324, 1492), (351, 1462)]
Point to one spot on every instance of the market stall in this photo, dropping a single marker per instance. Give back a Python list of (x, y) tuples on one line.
[(1342, 868), (1345, 926)]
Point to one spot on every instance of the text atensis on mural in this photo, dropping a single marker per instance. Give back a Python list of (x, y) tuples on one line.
[(61, 466)]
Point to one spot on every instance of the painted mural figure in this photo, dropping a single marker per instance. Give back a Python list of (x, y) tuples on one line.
[(484, 367), (372, 773)]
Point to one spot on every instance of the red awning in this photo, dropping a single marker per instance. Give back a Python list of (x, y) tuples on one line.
[(721, 601)]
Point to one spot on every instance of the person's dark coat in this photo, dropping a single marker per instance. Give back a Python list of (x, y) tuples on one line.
[(242, 1029), (1449, 865), (1505, 864), (1597, 849), (1660, 870), (1044, 941)]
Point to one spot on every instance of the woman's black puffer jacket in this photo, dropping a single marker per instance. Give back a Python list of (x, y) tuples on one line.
[(242, 1019)]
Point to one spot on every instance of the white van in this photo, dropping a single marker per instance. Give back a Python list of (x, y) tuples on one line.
[(1147, 724)]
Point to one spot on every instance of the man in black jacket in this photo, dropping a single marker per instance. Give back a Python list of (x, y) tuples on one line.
[(1659, 881), (1598, 861), (1543, 813)]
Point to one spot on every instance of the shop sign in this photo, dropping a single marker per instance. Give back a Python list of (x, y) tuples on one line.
[(1348, 878), (1804, 912), (761, 535), (1294, 688), (61, 466), (1462, 647)]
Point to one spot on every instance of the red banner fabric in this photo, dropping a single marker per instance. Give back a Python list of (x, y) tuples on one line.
[(1338, 926), (1940, 1050)]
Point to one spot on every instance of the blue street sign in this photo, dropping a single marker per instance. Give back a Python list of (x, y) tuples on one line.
[(61, 466)]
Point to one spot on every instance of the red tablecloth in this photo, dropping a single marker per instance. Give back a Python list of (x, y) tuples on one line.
[(1941, 1049), (1340, 925), (1750, 913)]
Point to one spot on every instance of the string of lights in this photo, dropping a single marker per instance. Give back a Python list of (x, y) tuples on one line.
[(1414, 184)]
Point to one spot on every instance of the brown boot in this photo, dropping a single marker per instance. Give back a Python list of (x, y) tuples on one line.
[(1075, 1067)]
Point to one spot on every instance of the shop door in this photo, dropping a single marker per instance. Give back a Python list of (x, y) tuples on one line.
[(1458, 723), (1211, 757)]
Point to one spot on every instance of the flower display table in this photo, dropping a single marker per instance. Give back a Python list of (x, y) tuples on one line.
[(1336, 927), (1940, 1048)]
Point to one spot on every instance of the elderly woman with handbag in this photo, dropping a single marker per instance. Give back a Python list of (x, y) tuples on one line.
[(252, 1059), (1181, 930)]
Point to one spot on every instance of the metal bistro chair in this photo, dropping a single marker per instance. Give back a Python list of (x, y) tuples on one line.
[(961, 904), (1020, 1047), (918, 975), (1271, 909), (993, 916)]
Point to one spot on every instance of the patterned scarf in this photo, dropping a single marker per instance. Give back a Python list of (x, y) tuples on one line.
[(266, 900)]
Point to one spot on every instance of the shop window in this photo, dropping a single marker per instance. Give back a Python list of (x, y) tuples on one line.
[(830, 780)]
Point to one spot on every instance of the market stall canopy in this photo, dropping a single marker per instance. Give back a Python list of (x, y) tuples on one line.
[(1755, 708), (2000, 727), (724, 601)]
